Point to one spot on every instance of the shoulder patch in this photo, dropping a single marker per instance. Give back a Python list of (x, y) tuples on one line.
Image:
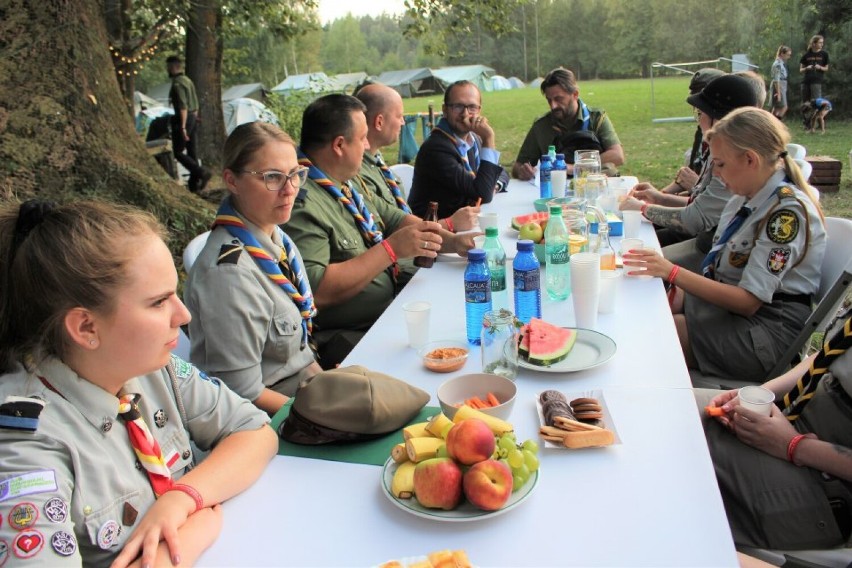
[(20, 413), (777, 260), (183, 370), (785, 192), (229, 253), (208, 378), (782, 227), (738, 259), (28, 484)]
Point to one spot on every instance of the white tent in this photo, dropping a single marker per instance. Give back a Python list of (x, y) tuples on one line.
[(254, 91), (242, 110), (516, 83), (317, 82), (500, 83)]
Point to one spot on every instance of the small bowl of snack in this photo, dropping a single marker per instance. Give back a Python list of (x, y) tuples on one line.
[(444, 356), (491, 394)]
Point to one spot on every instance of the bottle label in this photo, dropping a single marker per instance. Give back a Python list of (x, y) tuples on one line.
[(527, 280), (498, 280), (477, 292), (557, 254)]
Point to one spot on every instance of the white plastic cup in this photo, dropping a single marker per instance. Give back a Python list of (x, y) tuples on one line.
[(479, 241), (417, 321), (632, 222), (488, 220), (757, 399), (585, 288), (610, 281)]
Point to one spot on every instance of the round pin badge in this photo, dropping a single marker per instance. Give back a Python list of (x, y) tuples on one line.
[(107, 534), (56, 510), (22, 516), (63, 543), (27, 544), (4, 552)]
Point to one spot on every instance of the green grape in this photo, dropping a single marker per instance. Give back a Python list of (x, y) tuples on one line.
[(517, 482), (530, 460), (523, 472), (502, 452), (530, 446), (510, 435), (505, 443), (516, 458)]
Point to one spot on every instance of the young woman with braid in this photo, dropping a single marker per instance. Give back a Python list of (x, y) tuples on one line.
[(96, 415)]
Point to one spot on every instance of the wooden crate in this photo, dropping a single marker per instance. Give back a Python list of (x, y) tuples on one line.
[(826, 173)]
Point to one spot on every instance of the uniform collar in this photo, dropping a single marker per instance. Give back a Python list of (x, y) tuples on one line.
[(371, 159), (767, 191), (273, 244)]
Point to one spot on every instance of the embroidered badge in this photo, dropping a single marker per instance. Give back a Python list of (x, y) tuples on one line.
[(4, 552), (128, 515), (229, 254), (786, 192), (108, 534), (777, 260), (208, 378), (738, 259), (63, 543), (22, 516), (27, 544), (183, 370), (56, 510), (783, 226), (28, 484), (20, 413), (160, 418)]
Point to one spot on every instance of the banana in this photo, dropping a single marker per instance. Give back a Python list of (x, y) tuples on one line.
[(422, 448), (437, 424), (415, 431), (497, 425), (402, 484), (398, 453)]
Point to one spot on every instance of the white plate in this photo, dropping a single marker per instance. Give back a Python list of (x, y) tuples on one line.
[(606, 419), (590, 350), (462, 513)]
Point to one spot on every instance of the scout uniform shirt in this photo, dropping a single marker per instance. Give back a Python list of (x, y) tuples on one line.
[(707, 201), (372, 183), (245, 329), (780, 246), (544, 131), (71, 488)]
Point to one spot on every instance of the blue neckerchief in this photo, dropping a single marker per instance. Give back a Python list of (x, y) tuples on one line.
[(584, 114), (462, 146)]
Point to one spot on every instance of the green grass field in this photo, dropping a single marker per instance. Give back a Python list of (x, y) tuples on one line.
[(654, 150)]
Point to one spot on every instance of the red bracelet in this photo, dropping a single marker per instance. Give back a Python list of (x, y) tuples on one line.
[(450, 226), (642, 210), (192, 492), (794, 442), (392, 256), (673, 273)]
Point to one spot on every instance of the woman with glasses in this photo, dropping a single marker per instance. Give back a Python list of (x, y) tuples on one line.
[(250, 299)]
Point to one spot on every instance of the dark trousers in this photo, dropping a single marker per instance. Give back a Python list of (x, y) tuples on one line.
[(186, 150)]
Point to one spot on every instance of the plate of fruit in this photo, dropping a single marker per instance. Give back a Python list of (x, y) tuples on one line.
[(465, 469), (553, 349)]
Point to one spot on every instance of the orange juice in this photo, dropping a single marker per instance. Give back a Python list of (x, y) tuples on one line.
[(608, 261), (577, 243)]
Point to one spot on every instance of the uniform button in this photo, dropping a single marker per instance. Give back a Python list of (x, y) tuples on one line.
[(186, 454), (87, 510), (295, 327), (107, 425), (821, 524)]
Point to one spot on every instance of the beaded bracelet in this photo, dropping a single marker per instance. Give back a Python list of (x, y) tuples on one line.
[(192, 492), (794, 443), (673, 273)]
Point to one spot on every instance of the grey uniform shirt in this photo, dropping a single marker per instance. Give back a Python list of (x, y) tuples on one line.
[(73, 485), (780, 246), (245, 328), (710, 197)]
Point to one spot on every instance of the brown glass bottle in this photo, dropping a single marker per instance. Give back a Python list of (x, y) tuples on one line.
[(431, 215)]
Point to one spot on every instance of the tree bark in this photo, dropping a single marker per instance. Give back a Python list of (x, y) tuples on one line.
[(64, 129)]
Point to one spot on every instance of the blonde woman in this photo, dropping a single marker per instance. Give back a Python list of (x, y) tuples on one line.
[(778, 86)]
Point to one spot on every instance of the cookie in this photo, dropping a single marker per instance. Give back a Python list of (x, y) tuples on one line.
[(584, 400), (586, 407), (549, 395)]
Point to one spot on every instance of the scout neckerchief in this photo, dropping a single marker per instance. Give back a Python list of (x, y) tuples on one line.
[(708, 266), (462, 147), (584, 114), (803, 391), (300, 293), (392, 184), (144, 444)]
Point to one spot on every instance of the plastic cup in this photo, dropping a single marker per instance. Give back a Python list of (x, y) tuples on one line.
[(609, 284), (632, 222), (757, 399), (631, 244), (585, 288), (479, 241), (417, 321), (488, 220)]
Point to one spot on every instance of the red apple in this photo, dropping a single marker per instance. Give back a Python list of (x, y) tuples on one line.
[(438, 483), (488, 484), (470, 441)]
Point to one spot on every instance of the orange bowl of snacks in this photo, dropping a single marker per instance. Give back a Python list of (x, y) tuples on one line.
[(444, 356), (491, 394)]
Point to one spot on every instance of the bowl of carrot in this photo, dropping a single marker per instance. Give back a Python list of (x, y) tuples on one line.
[(488, 393)]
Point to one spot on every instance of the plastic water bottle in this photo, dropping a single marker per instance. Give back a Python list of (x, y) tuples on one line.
[(477, 293), (496, 258), (544, 171), (559, 176), (557, 277), (527, 279)]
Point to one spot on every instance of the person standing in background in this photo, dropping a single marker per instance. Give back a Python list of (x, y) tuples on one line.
[(184, 100), (814, 64), (778, 86)]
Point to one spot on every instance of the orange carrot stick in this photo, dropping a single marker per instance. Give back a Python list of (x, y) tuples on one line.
[(714, 411), (493, 399)]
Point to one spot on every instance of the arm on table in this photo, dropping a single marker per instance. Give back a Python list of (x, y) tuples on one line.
[(613, 155)]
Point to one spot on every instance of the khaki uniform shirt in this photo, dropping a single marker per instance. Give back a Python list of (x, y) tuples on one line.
[(182, 94), (245, 328), (74, 486), (373, 182), (326, 232), (543, 132)]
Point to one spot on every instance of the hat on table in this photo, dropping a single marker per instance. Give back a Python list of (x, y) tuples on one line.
[(350, 404), (702, 77), (722, 95)]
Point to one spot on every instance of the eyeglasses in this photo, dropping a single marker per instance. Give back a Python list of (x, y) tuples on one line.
[(275, 180), (458, 108)]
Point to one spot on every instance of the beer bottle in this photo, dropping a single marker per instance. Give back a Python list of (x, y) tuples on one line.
[(431, 215)]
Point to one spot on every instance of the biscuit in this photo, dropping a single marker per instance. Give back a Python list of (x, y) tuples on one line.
[(549, 395), (584, 400), (588, 416)]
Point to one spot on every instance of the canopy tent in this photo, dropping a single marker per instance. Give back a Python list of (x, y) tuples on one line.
[(412, 82), (317, 82), (254, 91), (516, 83), (242, 110), (500, 83), (349, 82), (479, 75)]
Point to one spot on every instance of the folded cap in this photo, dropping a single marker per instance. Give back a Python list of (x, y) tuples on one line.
[(722, 95), (350, 404), (702, 77)]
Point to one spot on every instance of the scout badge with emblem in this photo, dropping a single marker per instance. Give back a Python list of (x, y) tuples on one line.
[(783, 226), (777, 260)]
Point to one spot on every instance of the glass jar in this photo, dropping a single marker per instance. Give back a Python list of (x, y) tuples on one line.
[(499, 343)]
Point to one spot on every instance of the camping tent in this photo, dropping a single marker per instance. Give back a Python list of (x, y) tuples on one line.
[(140, 100), (500, 83), (317, 82), (348, 82), (479, 75), (412, 82), (516, 83), (254, 91), (160, 93), (242, 110), (536, 82)]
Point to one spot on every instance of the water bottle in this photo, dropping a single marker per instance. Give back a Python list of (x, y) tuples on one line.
[(559, 176), (557, 277), (496, 258), (551, 151), (544, 171), (527, 279), (477, 293)]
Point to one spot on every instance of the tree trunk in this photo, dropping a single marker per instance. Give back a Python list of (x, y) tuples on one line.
[(64, 129)]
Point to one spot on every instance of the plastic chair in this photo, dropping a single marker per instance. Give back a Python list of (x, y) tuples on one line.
[(193, 249), (796, 151), (831, 558), (835, 279), (405, 172), (806, 167)]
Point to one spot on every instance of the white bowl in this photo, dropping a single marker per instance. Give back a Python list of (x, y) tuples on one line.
[(443, 363), (458, 389)]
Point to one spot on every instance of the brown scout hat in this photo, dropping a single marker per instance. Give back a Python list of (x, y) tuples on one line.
[(350, 404)]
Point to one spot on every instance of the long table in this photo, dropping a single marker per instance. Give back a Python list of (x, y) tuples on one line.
[(650, 500)]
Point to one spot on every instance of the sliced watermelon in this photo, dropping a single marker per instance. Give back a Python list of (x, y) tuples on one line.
[(521, 220), (547, 343), (524, 343)]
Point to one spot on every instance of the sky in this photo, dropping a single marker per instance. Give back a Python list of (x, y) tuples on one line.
[(332, 9)]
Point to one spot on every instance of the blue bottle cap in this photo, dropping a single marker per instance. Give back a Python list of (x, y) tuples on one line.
[(560, 156), (525, 245), (545, 157), (476, 254)]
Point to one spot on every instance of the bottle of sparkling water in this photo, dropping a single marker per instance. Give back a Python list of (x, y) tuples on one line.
[(557, 276), (527, 280), (559, 176), (496, 258), (544, 179), (477, 293)]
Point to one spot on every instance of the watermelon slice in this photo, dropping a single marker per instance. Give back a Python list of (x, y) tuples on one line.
[(521, 220), (524, 343), (546, 343)]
